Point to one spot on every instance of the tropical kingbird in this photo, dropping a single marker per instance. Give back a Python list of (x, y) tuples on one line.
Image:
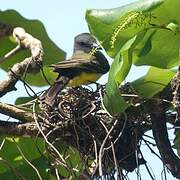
[(86, 65)]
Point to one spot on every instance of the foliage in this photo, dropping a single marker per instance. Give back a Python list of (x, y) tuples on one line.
[(146, 32), (35, 28), (14, 165), (154, 81), (140, 33)]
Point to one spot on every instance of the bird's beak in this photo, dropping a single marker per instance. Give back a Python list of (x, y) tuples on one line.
[(94, 45)]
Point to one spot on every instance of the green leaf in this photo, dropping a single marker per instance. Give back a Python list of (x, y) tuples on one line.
[(52, 53), (32, 149), (26, 171), (73, 159), (161, 44), (23, 100), (145, 45), (39, 79), (120, 30), (163, 49), (114, 27), (158, 46), (153, 82), (9, 153), (166, 40), (113, 101)]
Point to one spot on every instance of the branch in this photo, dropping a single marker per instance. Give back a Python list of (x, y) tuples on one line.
[(16, 129), (14, 112), (80, 127), (158, 119), (32, 64)]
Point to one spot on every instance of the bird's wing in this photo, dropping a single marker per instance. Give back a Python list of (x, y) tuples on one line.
[(70, 63), (80, 62)]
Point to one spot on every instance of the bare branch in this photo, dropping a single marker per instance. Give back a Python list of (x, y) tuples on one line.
[(15, 112), (9, 54), (32, 64), (20, 130), (89, 135), (27, 41), (158, 119)]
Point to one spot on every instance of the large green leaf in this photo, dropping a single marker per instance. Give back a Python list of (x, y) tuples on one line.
[(113, 101), (161, 49), (159, 17), (26, 171), (153, 82), (32, 149), (7, 154), (165, 43), (114, 27), (158, 46), (52, 53)]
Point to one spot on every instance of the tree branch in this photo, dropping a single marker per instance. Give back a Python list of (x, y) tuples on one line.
[(32, 64), (158, 119), (68, 122), (14, 112), (20, 130)]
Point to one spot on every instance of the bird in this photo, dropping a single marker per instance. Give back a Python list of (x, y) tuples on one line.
[(86, 65)]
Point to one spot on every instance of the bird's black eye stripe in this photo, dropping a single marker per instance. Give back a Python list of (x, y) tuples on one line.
[(84, 44)]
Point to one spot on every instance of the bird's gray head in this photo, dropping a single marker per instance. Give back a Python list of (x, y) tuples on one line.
[(85, 42)]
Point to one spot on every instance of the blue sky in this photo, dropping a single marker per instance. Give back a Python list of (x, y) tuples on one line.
[(63, 20)]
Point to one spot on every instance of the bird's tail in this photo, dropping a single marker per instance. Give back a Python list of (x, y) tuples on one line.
[(49, 96)]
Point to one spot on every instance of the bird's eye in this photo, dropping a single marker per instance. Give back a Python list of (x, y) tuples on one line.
[(82, 43), (85, 44)]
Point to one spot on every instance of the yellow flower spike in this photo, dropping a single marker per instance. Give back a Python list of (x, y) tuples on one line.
[(133, 18)]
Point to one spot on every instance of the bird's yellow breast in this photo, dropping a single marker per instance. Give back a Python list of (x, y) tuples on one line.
[(83, 79)]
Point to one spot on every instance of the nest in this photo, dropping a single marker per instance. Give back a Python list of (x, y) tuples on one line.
[(77, 119)]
